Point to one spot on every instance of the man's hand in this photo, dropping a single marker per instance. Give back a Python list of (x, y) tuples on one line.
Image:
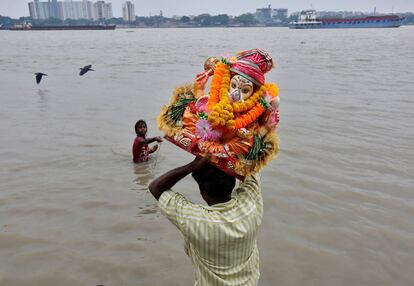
[(169, 179), (199, 163), (158, 139), (154, 148), (152, 139)]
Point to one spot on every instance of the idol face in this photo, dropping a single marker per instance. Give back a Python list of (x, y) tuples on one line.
[(240, 88)]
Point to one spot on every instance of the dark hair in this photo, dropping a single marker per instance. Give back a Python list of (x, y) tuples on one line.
[(139, 122), (214, 182)]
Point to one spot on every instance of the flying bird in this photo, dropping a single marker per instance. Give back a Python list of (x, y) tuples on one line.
[(39, 76), (85, 69)]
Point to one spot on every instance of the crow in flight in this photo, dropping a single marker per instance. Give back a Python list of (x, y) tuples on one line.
[(85, 69), (39, 76)]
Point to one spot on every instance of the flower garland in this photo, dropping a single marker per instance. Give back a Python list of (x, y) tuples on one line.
[(250, 102), (219, 72), (222, 112), (254, 113), (219, 101)]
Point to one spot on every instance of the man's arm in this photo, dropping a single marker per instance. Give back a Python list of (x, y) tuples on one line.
[(150, 140), (251, 186), (153, 149), (169, 179)]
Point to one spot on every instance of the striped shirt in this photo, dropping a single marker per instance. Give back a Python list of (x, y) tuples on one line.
[(220, 239)]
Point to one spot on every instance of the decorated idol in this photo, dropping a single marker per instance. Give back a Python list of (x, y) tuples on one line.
[(234, 121)]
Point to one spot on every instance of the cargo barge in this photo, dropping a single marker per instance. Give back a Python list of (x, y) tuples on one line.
[(61, 27), (309, 20)]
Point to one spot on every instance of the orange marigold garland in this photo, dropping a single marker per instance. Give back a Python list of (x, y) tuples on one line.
[(214, 96), (253, 114), (219, 101)]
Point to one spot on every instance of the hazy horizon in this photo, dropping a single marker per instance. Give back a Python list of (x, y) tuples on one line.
[(19, 8)]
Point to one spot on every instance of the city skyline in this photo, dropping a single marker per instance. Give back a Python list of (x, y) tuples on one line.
[(63, 10), (18, 8)]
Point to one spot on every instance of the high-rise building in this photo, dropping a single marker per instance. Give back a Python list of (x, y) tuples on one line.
[(269, 15), (264, 14), (280, 13), (128, 11), (36, 8), (76, 9), (88, 8), (69, 9), (53, 9), (41, 9), (102, 10), (32, 10)]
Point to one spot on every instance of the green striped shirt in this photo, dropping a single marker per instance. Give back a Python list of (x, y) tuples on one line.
[(220, 239)]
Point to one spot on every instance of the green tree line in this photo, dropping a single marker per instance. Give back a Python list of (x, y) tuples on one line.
[(202, 20)]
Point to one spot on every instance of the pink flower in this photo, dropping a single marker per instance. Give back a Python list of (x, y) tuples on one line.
[(205, 131), (201, 104), (225, 56), (274, 118)]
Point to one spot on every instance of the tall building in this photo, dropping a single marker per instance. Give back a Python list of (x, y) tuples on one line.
[(102, 10), (69, 9), (269, 15), (32, 10), (41, 9), (76, 9), (88, 8), (54, 9), (264, 14), (280, 13), (128, 11)]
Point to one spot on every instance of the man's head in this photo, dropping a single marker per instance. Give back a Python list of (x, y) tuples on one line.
[(141, 128), (215, 185)]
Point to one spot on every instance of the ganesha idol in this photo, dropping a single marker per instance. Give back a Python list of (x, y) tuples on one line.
[(234, 121)]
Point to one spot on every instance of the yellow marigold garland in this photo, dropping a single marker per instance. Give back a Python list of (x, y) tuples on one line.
[(222, 112), (249, 117), (219, 101), (250, 102)]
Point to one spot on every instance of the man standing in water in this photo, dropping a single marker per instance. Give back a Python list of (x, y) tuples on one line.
[(219, 238)]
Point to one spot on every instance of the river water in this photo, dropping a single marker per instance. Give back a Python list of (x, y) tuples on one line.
[(74, 210)]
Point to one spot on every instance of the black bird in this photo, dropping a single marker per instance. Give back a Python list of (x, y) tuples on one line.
[(85, 69), (39, 76)]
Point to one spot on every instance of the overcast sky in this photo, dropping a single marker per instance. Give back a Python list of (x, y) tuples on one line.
[(17, 8)]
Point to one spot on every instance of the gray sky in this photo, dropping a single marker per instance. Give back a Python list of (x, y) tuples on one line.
[(17, 8)]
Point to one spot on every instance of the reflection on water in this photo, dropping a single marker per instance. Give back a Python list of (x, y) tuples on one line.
[(42, 92), (145, 171), (43, 99), (144, 174), (148, 209)]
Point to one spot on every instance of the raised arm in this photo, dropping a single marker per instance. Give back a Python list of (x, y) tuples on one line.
[(150, 140), (251, 186), (168, 180)]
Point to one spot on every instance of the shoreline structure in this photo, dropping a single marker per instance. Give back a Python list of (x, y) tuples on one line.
[(52, 16)]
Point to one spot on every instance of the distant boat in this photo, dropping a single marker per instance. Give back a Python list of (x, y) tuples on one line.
[(61, 27), (309, 20)]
